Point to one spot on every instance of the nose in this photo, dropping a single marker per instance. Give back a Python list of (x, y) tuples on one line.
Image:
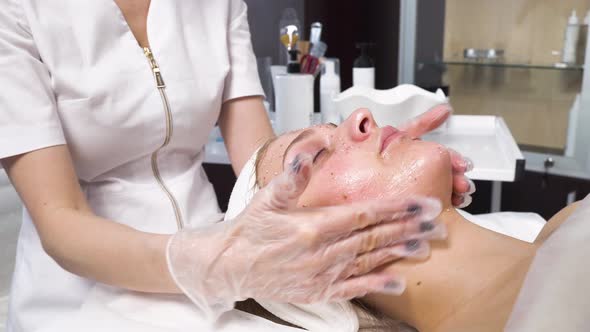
[(360, 124)]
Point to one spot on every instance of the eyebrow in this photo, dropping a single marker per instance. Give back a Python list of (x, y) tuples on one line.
[(299, 138), (303, 135)]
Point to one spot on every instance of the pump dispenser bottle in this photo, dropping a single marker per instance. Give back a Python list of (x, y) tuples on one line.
[(572, 32), (363, 71), (329, 89)]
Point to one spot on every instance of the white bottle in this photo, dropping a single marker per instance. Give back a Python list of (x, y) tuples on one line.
[(363, 70), (363, 77), (572, 32), (329, 89), (294, 102)]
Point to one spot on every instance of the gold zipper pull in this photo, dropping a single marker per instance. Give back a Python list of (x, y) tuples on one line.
[(155, 69), (159, 80)]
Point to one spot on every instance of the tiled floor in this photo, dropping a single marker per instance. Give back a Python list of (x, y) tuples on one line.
[(10, 217)]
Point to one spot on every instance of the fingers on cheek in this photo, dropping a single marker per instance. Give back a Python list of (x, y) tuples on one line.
[(466, 201), (463, 185), (457, 200), (456, 160), (462, 201), (468, 164), (461, 164), (460, 184), (471, 189)]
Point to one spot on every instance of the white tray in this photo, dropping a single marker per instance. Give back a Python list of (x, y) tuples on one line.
[(487, 141)]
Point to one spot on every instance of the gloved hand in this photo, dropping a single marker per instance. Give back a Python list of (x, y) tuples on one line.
[(463, 187), (275, 251)]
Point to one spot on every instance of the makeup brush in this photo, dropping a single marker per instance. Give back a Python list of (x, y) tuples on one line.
[(289, 36), (316, 33)]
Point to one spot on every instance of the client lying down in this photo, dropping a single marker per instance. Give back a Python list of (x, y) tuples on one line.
[(470, 282), (472, 278)]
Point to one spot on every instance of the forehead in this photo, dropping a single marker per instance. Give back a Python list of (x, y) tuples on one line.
[(270, 160)]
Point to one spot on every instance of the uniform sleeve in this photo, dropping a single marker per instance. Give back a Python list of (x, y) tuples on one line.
[(242, 79), (28, 116)]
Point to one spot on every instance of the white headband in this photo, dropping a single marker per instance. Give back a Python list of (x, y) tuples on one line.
[(244, 189)]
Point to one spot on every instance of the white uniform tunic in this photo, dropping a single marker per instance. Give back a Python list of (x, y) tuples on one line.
[(72, 71)]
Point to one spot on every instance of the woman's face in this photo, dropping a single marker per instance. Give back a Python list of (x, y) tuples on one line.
[(358, 161)]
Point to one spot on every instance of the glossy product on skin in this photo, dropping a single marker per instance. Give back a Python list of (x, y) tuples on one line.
[(358, 161)]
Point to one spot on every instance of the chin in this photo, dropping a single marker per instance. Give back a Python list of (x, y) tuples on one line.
[(425, 170), (438, 175)]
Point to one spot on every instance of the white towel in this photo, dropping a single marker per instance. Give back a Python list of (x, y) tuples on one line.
[(524, 226), (339, 317)]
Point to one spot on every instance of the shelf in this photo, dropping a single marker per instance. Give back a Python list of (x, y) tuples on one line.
[(556, 66)]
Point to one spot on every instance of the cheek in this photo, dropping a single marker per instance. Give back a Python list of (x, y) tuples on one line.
[(425, 169), (422, 170), (342, 180)]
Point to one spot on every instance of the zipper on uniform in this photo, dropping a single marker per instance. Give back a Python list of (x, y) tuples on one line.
[(169, 129)]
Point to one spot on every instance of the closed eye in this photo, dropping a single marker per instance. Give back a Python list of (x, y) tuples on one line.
[(318, 154)]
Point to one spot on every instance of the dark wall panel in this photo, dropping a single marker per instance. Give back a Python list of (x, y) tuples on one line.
[(349, 22), (541, 193), (430, 31)]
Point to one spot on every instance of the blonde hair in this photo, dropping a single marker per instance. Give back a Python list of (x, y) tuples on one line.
[(259, 157)]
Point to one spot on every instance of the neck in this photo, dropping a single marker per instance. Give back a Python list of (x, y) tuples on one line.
[(451, 217), (484, 259)]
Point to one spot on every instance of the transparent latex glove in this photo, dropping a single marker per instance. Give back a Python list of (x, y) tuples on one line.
[(426, 122), (275, 251)]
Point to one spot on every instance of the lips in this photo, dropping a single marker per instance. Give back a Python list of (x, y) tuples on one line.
[(388, 135)]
